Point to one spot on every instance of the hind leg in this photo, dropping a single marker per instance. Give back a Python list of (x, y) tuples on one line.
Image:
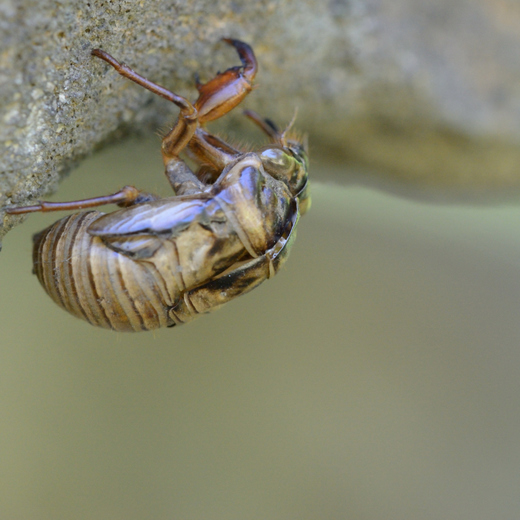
[(128, 196)]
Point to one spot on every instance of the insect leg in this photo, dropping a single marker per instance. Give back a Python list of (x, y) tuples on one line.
[(182, 179), (127, 72), (127, 196), (238, 281), (181, 133), (212, 153), (227, 89), (225, 288), (216, 98), (266, 125)]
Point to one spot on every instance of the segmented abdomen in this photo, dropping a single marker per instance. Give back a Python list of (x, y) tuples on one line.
[(95, 283)]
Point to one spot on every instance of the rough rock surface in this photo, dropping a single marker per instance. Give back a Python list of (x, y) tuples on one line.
[(427, 93)]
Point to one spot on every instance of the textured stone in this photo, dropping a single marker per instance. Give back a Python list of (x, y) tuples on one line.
[(426, 93)]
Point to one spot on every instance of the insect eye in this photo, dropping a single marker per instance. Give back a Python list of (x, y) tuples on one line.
[(278, 164)]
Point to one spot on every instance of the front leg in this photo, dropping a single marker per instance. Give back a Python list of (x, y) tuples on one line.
[(216, 98), (238, 281)]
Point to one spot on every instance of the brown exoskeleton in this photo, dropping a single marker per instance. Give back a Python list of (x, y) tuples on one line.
[(161, 262)]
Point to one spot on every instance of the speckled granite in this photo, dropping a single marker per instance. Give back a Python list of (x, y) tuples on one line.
[(426, 93)]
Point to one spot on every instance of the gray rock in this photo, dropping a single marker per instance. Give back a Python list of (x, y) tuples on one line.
[(424, 93)]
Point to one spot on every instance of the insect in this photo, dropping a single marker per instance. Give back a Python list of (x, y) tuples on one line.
[(163, 261)]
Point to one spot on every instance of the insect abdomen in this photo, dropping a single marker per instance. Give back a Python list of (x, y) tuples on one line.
[(94, 283)]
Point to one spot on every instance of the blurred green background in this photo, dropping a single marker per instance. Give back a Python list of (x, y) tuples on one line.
[(376, 377)]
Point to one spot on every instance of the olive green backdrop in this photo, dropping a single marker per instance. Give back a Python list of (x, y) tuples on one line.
[(376, 377)]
